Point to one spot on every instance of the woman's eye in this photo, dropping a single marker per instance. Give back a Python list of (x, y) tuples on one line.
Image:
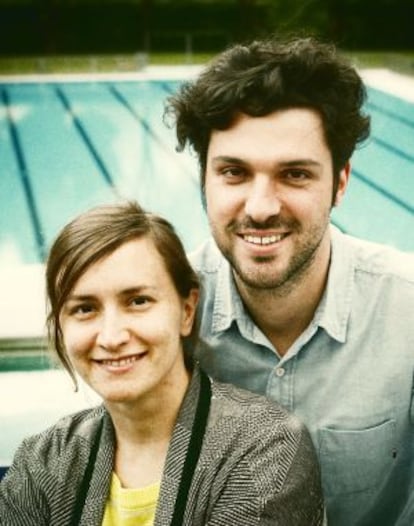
[(81, 311), (140, 301), (297, 175)]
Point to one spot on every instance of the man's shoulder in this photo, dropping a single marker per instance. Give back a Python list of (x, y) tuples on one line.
[(207, 258), (377, 259)]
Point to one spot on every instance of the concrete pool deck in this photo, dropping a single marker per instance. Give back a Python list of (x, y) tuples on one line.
[(401, 86), (383, 79)]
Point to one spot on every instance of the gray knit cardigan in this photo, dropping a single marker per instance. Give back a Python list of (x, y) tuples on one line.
[(257, 466)]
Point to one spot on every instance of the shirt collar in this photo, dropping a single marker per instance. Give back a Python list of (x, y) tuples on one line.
[(228, 305), (334, 308)]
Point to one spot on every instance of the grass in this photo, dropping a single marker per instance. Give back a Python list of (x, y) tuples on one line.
[(402, 62), (10, 65)]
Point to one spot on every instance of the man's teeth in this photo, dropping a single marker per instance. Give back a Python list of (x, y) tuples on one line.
[(122, 362), (263, 240)]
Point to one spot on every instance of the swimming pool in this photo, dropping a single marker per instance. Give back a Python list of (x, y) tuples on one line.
[(68, 145)]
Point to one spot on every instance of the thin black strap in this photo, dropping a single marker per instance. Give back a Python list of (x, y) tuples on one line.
[(194, 448), (84, 487)]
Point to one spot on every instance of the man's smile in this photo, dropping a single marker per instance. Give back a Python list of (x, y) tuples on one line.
[(257, 239)]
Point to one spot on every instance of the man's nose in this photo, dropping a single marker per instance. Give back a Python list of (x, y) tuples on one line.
[(262, 201), (112, 332)]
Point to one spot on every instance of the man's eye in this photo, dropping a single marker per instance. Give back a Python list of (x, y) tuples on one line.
[(232, 171), (233, 174)]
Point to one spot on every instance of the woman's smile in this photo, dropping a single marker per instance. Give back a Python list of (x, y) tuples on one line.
[(120, 364)]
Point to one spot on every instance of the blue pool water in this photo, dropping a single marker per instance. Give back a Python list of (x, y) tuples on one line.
[(379, 204), (67, 146)]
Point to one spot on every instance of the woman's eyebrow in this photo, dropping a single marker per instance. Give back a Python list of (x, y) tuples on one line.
[(80, 297)]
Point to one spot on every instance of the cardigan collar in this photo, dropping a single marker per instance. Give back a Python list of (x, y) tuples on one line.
[(100, 481)]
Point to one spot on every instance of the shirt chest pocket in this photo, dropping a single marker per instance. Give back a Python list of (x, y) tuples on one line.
[(356, 460)]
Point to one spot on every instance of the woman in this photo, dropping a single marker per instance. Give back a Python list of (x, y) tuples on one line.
[(168, 446)]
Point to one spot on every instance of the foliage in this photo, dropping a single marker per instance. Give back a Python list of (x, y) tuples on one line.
[(103, 26)]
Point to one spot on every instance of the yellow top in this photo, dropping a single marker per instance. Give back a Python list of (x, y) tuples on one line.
[(130, 507)]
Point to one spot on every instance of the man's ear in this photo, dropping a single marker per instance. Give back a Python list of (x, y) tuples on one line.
[(342, 183)]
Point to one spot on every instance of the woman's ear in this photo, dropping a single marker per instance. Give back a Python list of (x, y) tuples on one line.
[(189, 310)]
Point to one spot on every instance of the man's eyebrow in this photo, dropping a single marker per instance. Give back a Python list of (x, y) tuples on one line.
[(228, 159), (300, 162), (288, 163)]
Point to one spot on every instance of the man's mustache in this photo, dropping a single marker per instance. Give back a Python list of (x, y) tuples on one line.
[(272, 223)]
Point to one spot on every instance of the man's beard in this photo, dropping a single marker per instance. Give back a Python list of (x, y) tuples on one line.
[(278, 282)]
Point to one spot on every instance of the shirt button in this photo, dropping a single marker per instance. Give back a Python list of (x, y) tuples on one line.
[(280, 372)]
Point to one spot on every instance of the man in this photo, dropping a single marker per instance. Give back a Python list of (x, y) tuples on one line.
[(293, 308)]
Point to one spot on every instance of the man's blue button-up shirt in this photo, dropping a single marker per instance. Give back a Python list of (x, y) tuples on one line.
[(349, 376)]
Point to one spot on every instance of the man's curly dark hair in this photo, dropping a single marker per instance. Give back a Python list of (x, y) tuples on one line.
[(270, 75)]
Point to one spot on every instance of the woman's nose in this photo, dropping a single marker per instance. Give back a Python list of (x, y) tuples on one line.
[(262, 201), (112, 332)]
